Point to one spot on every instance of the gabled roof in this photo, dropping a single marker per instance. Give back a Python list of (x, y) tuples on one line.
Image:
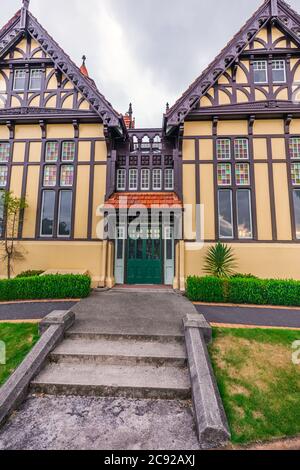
[(23, 21), (277, 11)]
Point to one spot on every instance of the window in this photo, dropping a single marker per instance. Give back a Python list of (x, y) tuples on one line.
[(225, 213), (1, 213), (68, 152), (278, 71), (47, 214), (156, 178), (244, 218), (296, 196), (67, 175), (133, 179), (4, 152), (121, 180), (295, 169), (19, 80), (3, 176), (241, 149), (224, 174), (145, 143), (145, 179), (242, 174), (223, 149), (157, 143), (65, 214), (169, 179), (52, 149), (50, 176), (260, 71), (295, 147), (35, 79)]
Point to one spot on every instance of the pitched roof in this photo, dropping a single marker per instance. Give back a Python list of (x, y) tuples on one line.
[(277, 10), (23, 21), (144, 200)]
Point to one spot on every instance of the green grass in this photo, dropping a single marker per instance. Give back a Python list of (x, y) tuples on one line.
[(258, 382), (19, 339)]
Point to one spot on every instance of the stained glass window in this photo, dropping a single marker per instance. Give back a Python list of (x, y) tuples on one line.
[(242, 174), (3, 176), (68, 151), (4, 152), (52, 152), (224, 174), (295, 169), (295, 147), (223, 149), (241, 149), (67, 175), (50, 173)]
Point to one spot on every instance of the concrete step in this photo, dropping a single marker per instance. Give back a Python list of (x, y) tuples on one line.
[(122, 351), (87, 334), (134, 381)]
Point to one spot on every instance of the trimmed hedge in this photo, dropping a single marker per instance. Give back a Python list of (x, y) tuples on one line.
[(67, 286), (244, 291), (29, 274)]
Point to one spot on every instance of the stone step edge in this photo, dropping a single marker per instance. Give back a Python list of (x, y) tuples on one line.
[(116, 337), (75, 358)]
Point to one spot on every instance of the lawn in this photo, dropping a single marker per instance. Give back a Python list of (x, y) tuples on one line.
[(19, 339), (258, 382)]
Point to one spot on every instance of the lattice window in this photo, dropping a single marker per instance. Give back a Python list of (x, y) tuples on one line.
[(133, 179), (241, 149), (295, 170), (223, 149), (156, 179), (36, 79), (168, 160), (133, 160), (242, 174), (145, 179), (169, 179), (19, 80), (52, 152), (67, 175), (145, 160), (156, 159), (122, 160), (295, 147), (50, 176), (3, 176), (224, 174), (4, 152), (260, 69), (121, 180), (278, 71), (68, 152)]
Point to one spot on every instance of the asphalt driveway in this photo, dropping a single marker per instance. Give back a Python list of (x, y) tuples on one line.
[(31, 310)]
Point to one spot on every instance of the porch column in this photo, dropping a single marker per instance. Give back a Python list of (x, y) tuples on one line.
[(103, 264), (177, 267), (182, 266)]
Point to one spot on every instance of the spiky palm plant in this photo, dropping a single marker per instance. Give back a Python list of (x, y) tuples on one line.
[(220, 261)]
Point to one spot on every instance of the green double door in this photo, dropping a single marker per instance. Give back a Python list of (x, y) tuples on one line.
[(144, 258)]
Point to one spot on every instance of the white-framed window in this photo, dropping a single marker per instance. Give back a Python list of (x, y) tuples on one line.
[(121, 179), (145, 179), (156, 179), (67, 175), (68, 151), (19, 80), (35, 82), (169, 179), (260, 69), (295, 148), (223, 149), (133, 179), (278, 71), (50, 176)]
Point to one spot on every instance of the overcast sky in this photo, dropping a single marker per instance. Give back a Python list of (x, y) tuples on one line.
[(144, 51)]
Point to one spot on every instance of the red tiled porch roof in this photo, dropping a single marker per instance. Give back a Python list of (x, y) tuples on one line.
[(148, 200)]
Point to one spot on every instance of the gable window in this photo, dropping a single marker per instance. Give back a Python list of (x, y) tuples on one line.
[(223, 149), (145, 179), (121, 180), (169, 179), (133, 179), (278, 71), (35, 79), (260, 69), (19, 80), (156, 177)]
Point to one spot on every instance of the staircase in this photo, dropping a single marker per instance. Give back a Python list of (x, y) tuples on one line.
[(117, 365)]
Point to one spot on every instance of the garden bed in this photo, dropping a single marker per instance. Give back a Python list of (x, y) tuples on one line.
[(258, 382)]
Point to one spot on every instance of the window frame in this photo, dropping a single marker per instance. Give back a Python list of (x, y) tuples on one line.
[(130, 173), (15, 78), (284, 70), (59, 195), (159, 171), (266, 71), (30, 87), (239, 190), (231, 211), (171, 187), (41, 213), (145, 170), (121, 171)]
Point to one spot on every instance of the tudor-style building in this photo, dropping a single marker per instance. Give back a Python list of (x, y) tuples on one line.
[(231, 143)]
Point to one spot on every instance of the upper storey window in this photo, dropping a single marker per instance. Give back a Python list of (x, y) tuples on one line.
[(260, 69), (19, 80), (278, 71), (35, 79)]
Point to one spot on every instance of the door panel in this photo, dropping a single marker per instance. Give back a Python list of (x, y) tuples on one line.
[(144, 259)]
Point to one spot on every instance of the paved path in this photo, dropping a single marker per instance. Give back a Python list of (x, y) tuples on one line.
[(31, 310), (281, 317)]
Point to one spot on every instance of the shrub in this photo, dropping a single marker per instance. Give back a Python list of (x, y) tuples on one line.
[(29, 274), (243, 276), (219, 261), (45, 287), (238, 290)]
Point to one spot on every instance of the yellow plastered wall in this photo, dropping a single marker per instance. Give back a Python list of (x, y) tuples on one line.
[(268, 126), (189, 197), (100, 152), (264, 224), (16, 180), (282, 205), (278, 148), (35, 152), (295, 126), (207, 199), (4, 132), (91, 130), (188, 150), (19, 152), (232, 128), (99, 195), (197, 128), (84, 151), (60, 131), (32, 190), (260, 150), (206, 149), (82, 202), (28, 131)]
